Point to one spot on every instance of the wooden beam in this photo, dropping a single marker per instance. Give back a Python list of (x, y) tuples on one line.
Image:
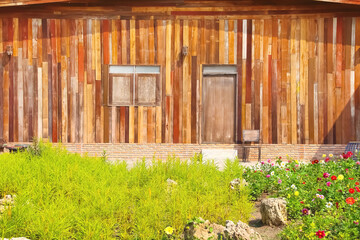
[(9, 3), (356, 2)]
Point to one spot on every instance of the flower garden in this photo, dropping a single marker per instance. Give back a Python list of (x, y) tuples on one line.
[(322, 197)]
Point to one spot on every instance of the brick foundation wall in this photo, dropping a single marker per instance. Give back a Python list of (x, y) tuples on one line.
[(133, 152)]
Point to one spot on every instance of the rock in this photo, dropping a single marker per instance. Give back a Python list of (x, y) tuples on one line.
[(273, 211), (203, 230), (171, 182), (170, 185), (236, 183), (5, 202), (19, 238), (240, 231)]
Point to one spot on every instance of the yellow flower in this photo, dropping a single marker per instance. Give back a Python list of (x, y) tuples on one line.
[(169, 230), (331, 155), (296, 193), (296, 161), (341, 177), (324, 155), (289, 196)]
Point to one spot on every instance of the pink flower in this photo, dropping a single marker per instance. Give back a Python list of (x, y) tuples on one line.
[(268, 175), (269, 160), (327, 159), (305, 211), (326, 175), (328, 184), (272, 164), (358, 163), (262, 163), (279, 181)]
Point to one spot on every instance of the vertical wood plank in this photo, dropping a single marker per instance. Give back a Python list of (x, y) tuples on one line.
[(357, 78), (176, 86), (132, 61), (322, 110)]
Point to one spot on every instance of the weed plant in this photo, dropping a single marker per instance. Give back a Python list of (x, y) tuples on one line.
[(66, 196)]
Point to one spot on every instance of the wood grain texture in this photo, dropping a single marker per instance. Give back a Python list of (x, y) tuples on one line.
[(298, 78)]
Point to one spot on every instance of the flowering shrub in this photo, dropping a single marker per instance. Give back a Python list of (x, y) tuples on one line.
[(322, 197)]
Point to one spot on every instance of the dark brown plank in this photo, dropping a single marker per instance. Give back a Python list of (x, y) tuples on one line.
[(248, 62), (193, 98)]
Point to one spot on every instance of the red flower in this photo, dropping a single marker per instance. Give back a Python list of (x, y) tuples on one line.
[(319, 190), (351, 178), (337, 205), (357, 183), (303, 182), (357, 189), (351, 190), (320, 234), (301, 202), (350, 200), (333, 178), (315, 161), (327, 159)]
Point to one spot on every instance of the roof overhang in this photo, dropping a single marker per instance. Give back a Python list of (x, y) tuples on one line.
[(355, 2), (11, 3)]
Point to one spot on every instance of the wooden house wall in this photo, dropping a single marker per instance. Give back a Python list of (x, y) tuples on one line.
[(298, 78)]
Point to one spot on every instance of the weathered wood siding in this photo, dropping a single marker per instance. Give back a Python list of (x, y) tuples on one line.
[(298, 78)]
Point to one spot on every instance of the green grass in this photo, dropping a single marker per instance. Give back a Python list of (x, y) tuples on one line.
[(66, 196)]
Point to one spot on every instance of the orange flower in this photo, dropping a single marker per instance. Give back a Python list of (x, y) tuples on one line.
[(350, 200)]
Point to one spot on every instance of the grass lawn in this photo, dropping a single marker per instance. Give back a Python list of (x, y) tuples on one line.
[(66, 196)]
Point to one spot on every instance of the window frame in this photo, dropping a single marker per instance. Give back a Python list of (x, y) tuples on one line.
[(108, 83)]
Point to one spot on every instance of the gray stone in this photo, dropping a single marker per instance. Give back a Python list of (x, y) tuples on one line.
[(171, 182), (6, 202), (237, 183), (204, 230), (18, 238), (273, 211), (240, 231)]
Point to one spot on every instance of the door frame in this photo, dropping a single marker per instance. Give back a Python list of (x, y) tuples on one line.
[(201, 112)]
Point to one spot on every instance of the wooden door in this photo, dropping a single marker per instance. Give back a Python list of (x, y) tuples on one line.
[(219, 110)]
